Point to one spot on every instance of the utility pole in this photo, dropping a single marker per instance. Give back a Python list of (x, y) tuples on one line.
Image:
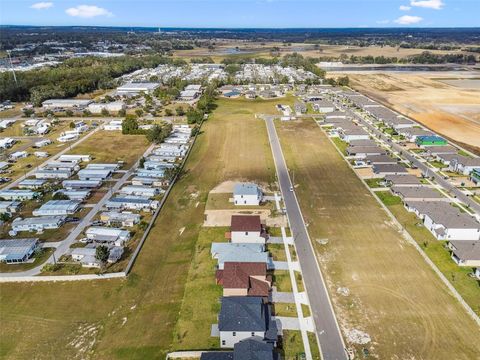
[(11, 65)]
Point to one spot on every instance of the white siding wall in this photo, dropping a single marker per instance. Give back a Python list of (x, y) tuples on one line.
[(227, 340), (246, 200), (247, 237)]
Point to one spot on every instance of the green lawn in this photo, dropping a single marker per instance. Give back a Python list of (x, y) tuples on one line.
[(39, 258), (292, 345), (312, 339), (283, 309), (458, 276), (281, 279), (438, 164), (374, 183), (277, 251), (342, 145), (388, 198)]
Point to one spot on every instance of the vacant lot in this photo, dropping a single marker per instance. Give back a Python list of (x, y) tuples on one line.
[(112, 146), (135, 318), (450, 110), (392, 293)]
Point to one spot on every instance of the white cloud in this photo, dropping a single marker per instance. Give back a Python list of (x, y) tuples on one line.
[(429, 4), (408, 20), (42, 5), (405, 7), (383, 22), (88, 11)]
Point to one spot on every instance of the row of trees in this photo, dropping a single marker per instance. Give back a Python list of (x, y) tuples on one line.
[(425, 57), (72, 77)]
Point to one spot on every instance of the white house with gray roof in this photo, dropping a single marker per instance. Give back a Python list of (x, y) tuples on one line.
[(247, 194), (465, 253)]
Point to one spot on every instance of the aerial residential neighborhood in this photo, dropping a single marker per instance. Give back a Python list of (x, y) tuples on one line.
[(240, 180)]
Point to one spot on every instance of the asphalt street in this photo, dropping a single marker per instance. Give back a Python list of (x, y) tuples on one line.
[(327, 330)]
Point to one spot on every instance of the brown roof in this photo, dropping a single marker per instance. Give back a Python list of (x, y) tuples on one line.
[(239, 275), (246, 223)]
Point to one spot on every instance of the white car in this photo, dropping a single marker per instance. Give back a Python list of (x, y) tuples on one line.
[(291, 188)]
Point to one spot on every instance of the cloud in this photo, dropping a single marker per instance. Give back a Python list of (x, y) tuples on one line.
[(405, 7), (42, 5), (88, 11), (408, 20), (383, 22), (429, 4)]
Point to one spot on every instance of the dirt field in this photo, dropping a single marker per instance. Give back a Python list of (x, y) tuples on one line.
[(135, 318), (379, 283), (451, 110)]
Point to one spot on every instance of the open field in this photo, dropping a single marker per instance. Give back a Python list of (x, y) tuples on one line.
[(452, 111), (232, 48), (393, 295), (112, 146), (135, 318)]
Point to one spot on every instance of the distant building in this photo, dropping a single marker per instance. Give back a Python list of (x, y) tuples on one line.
[(39, 223), (70, 104), (13, 251), (57, 207), (137, 88), (113, 107)]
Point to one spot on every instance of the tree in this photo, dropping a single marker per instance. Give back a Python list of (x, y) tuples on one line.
[(139, 112), (101, 253), (27, 112), (179, 110), (168, 112), (105, 112), (158, 133), (72, 125), (130, 125), (69, 113), (141, 162), (60, 196), (122, 112), (194, 116)]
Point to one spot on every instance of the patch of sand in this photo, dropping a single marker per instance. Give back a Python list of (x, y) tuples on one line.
[(223, 217)]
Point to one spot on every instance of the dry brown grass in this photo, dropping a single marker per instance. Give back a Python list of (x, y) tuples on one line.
[(394, 296)]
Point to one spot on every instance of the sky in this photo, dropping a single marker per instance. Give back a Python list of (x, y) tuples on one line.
[(243, 13)]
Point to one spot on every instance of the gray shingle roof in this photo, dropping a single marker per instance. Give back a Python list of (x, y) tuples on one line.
[(244, 313), (443, 213)]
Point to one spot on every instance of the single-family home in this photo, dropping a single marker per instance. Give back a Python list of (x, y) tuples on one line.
[(14, 251), (362, 152), (114, 125), (247, 229), (120, 219), (146, 191), (362, 142), (465, 253), (132, 88), (74, 158), (300, 108), (94, 174), (243, 317), (475, 176), (247, 194), (86, 256), (38, 223), (249, 349), (42, 143), (464, 165), (81, 184), (6, 143), (33, 184), (239, 252), (389, 169), (380, 159), (10, 207), (79, 195), (52, 174), (416, 193), (402, 180), (356, 133), (131, 203), (18, 155), (110, 236), (244, 279), (323, 106), (437, 150), (430, 140), (18, 194), (57, 207), (445, 221), (412, 133)]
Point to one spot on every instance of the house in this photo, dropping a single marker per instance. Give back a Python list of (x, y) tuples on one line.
[(362, 142), (158, 173), (68, 137), (384, 169), (362, 152), (4, 165), (247, 229), (119, 219), (31, 184), (437, 150), (253, 348), (114, 125), (247, 194), (430, 140), (64, 104), (131, 203), (115, 254), (140, 190), (323, 106), (356, 133), (241, 252), (7, 143), (86, 256), (42, 143), (14, 251), (300, 108), (52, 174), (18, 155), (137, 88), (38, 223), (477, 273), (59, 165), (148, 181), (41, 154), (402, 180), (10, 207), (446, 158), (78, 195), (94, 174), (445, 221), (244, 279), (464, 165), (18, 194), (57, 207), (475, 176), (189, 94), (411, 133), (380, 159), (99, 166), (110, 236), (81, 184), (424, 193), (335, 115), (112, 107), (243, 317), (74, 158), (465, 253)]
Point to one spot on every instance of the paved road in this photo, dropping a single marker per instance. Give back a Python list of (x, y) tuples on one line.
[(328, 333), (425, 169)]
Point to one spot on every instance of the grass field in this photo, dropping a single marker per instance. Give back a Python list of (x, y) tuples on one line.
[(394, 296), (112, 146), (135, 318)]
